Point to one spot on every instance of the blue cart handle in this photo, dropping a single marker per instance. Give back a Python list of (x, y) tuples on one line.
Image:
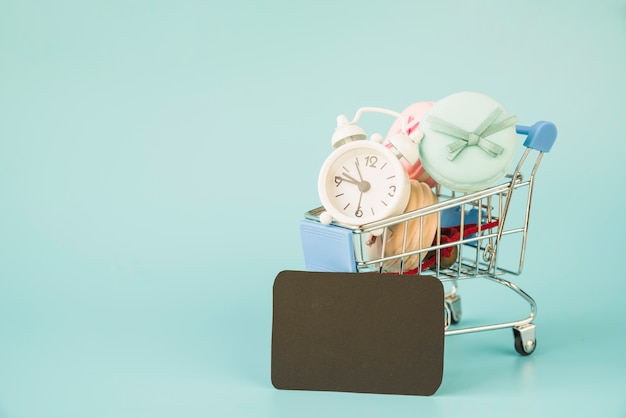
[(540, 136)]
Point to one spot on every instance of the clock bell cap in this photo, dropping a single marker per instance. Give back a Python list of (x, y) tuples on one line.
[(346, 132)]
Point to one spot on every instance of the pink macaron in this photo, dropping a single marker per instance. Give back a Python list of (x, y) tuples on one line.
[(413, 115)]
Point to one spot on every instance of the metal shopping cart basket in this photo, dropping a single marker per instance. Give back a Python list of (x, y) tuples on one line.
[(471, 229)]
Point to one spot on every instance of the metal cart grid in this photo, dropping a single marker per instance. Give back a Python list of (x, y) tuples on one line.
[(482, 222)]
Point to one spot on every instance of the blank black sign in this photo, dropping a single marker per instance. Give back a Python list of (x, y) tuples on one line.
[(357, 332)]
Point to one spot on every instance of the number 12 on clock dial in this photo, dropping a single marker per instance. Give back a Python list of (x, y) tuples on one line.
[(363, 182)]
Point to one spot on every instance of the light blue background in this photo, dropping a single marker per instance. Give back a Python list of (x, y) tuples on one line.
[(156, 156)]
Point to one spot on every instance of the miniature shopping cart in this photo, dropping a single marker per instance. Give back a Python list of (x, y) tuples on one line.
[(472, 228)]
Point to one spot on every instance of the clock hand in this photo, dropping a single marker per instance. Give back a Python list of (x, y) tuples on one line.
[(358, 169), (358, 212), (363, 185), (350, 179)]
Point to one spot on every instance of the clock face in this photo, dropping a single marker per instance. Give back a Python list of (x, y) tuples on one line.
[(363, 182)]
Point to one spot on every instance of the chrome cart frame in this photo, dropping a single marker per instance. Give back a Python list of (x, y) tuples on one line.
[(482, 223)]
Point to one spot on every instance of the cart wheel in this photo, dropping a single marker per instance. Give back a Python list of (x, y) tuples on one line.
[(525, 341), (453, 305)]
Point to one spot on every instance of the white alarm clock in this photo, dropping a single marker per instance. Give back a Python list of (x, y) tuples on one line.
[(363, 181)]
